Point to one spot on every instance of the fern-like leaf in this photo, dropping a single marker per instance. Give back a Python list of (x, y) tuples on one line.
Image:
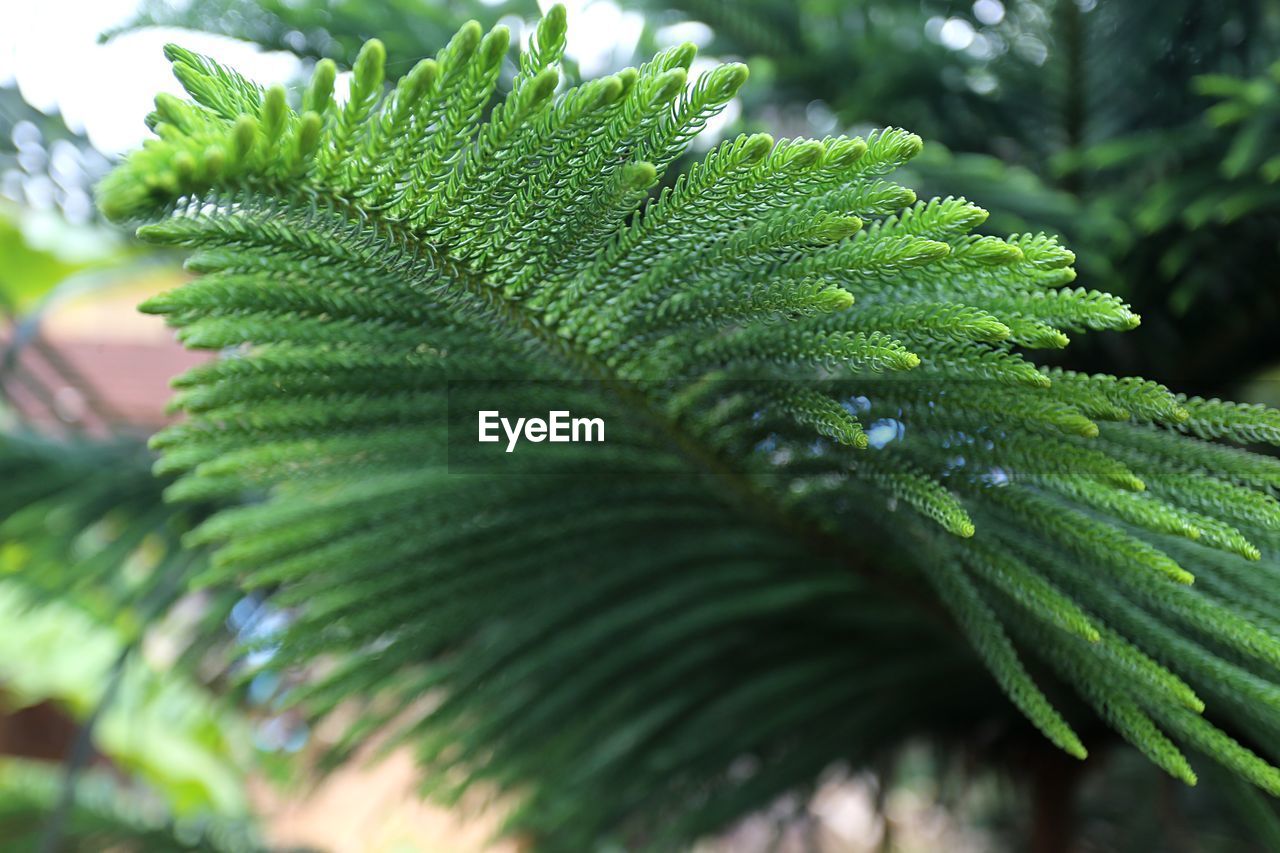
[(795, 348)]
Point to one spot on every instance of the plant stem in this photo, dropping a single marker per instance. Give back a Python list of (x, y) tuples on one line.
[(1054, 778), (78, 756)]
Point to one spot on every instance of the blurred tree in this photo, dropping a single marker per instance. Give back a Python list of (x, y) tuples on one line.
[(328, 29), (98, 750)]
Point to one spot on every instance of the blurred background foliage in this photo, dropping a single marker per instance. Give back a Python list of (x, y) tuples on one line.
[(165, 730), (1144, 132)]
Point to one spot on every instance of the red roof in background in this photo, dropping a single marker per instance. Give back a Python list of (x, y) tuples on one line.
[(94, 384)]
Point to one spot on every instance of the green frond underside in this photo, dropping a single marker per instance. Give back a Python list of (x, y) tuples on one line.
[(842, 351)]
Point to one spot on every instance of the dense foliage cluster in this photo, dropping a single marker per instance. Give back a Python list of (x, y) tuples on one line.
[(823, 370)]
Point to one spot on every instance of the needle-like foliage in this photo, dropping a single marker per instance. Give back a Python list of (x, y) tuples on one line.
[(826, 425), (84, 519)]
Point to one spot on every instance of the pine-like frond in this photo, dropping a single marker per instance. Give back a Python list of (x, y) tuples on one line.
[(794, 348)]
